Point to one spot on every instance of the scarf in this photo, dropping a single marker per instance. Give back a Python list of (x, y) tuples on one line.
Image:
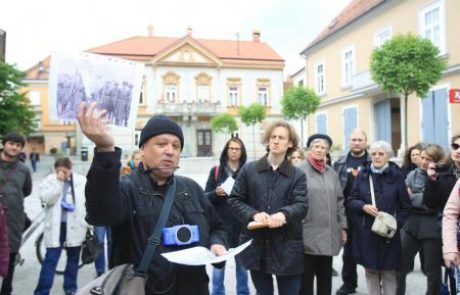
[(319, 165), (378, 170)]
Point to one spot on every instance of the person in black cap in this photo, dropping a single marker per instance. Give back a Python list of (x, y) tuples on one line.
[(131, 205), (15, 185), (325, 224)]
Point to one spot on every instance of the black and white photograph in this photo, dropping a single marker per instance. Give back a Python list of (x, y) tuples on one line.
[(113, 83)]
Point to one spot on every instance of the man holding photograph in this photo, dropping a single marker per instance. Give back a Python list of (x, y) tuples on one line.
[(131, 205)]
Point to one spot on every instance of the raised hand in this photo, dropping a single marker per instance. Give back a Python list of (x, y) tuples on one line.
[(93, 123)]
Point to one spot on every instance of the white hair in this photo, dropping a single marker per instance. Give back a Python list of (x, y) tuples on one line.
[(381, 144), (319, 140)]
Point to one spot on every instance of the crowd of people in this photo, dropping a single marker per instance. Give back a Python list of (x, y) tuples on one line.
[(297, 208)]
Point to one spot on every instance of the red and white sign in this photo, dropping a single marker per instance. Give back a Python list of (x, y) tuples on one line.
[(454, 95)]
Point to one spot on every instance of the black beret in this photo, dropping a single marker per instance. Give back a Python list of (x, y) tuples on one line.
[(161, 124), (319, 136)]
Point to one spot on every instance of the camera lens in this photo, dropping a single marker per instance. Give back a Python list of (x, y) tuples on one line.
[(183, 234)]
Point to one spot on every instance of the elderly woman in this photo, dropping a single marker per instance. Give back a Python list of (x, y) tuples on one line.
[(381, 257), (421, 230), (324, 226)]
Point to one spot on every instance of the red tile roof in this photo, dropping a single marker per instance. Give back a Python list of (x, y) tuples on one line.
[(353, 11), (144, 48)]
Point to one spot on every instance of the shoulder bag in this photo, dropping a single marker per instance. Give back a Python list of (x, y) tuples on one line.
[(385, 224), (124, 279)]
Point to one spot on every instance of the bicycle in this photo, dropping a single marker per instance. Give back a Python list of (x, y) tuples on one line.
[(40, 249)]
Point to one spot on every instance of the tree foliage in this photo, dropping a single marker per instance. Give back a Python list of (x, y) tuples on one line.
[(298, 102), (224, 122), (15, 111), (253, 114), (407, 64)]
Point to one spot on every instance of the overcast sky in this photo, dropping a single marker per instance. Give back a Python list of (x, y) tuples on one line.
[(35, 29)]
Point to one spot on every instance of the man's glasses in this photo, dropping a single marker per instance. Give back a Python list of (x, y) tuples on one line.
[(234, 148), (455, 146)]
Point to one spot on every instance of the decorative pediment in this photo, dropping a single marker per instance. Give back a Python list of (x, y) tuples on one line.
[(187, 52)]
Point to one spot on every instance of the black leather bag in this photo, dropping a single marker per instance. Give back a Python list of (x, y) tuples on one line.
[(91, 247)]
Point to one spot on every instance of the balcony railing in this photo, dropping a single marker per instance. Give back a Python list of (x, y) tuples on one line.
[(362, 81), (191, 108)]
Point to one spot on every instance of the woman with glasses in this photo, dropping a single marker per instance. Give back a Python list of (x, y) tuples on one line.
[(63, 195), (233, 157), (421, 232), (439, 185), (380, 257)]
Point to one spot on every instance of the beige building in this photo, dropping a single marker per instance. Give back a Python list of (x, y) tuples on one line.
[(337, 68), (188, 79)]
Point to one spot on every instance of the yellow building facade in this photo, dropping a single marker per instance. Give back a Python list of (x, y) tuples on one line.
[(338, 69)]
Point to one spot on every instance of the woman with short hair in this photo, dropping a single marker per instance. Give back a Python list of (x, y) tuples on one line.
[(325, 224), (381, 257), (63, 195)]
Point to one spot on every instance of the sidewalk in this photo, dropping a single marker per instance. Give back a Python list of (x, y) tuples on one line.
[(26, 276)]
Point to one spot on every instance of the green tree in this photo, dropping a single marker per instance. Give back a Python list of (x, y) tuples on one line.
[(406, 64), (297, 103), (15, 111), (251, 115), (225, 123)]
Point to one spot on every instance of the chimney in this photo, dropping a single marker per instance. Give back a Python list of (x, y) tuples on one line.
[(256, 35), (189, 31), (150, 30)]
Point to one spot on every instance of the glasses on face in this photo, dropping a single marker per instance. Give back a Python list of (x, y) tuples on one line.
[(455, 146), (377, 154), (234, 148)]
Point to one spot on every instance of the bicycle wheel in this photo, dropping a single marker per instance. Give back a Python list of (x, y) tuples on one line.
[(40, 250)]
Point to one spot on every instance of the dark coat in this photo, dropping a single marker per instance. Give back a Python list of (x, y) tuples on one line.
[(132, 205), (232, 225), (260, 189), (438, 191), (15, 185), (371, 250), (4, 250)]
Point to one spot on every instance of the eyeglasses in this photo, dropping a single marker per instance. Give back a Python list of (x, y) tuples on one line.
[(455, 146), (234, 148)]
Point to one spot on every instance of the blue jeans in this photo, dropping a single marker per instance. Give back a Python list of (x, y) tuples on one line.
[(218, 277), (45, 282), (287, 285), (102, 232)]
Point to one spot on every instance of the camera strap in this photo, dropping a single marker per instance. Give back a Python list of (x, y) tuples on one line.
[(154, 240)]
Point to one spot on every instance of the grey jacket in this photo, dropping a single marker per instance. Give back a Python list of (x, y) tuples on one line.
[(15, 185), (326, 215)]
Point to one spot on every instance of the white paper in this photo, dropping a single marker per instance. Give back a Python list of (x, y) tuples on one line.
[(202, 256), (227, 185), (113, 83)]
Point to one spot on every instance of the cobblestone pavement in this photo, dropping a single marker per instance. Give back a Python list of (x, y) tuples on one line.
[(26, 275)]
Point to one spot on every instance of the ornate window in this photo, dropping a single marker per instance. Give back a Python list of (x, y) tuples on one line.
[(203, 87), (233, 90), (170, 87), (263, 92)]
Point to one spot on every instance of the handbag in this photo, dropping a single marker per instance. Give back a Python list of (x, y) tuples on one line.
[(124, 279), (385, 224), (91, 247)]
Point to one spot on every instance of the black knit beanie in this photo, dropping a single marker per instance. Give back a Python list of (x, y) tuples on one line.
[(161, 124)]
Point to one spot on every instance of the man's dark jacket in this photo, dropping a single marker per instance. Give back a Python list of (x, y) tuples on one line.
[(15, 185), (258, 188), (132, 205)]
